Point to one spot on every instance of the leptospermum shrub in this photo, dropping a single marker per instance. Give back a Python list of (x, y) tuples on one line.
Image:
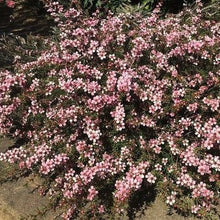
[(118, 105)]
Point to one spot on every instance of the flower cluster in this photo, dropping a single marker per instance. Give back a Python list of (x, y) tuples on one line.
[(132, 181), (118, 104), (9, 3)]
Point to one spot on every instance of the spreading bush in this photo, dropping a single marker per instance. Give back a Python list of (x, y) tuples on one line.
[(119, 105)]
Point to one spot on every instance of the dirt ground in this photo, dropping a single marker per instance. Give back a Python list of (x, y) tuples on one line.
[(19, 199)]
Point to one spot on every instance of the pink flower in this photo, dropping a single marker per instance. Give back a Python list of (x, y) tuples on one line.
[(150, 178), (21, 165), (119, 115), (192, 107), (92, 193), (195, 209), (101, 209), (170, 200), (10, 3)]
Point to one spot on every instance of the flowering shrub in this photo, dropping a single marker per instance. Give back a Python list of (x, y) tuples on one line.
[(117, 105)]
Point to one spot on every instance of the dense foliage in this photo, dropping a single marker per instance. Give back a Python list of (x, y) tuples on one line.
[(143, 6), (119, 105)]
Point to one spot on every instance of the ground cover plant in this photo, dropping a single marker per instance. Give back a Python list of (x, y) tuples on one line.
[(119, 105)]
